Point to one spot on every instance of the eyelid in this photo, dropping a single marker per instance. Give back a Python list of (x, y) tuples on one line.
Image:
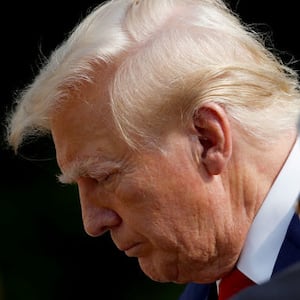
[(104, 178), (103, 175)]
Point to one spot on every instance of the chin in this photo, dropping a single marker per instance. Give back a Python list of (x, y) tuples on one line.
[(159, 271)]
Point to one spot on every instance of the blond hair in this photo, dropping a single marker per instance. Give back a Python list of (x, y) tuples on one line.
[(173, 56)]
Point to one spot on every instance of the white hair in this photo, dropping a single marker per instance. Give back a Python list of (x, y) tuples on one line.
[(173, 56)]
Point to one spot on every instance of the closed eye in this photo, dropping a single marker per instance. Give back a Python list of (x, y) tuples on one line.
[(90, 169), (107, 177)]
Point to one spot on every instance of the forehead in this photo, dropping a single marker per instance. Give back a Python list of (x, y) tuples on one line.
[(83, 125)]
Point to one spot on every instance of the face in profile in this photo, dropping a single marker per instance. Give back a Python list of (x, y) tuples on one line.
[(158, 205)]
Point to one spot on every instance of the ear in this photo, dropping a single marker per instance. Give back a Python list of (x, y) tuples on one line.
[(214, 135)]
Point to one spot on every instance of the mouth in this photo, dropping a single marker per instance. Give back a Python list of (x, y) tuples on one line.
[(134, 250)]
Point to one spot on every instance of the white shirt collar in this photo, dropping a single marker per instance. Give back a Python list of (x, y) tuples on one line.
[(268, 230)]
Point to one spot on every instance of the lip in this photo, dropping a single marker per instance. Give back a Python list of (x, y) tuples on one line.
[(133, 250)]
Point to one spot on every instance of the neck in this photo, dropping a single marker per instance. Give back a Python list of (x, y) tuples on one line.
[(255, 167)]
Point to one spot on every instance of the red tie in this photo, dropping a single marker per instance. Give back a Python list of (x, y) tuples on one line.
[(232, 283)]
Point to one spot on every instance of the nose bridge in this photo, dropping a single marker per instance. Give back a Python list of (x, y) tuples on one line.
[(96, 217)]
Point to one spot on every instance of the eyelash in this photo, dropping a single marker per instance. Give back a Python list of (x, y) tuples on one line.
[(106, 177)]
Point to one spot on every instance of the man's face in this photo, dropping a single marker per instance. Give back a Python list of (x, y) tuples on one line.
[(159, 206)]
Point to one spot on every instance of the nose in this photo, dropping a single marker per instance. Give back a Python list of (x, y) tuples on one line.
[(97, 219)]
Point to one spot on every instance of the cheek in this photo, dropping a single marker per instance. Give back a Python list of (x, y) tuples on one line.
[(163, 208), (142, 205)]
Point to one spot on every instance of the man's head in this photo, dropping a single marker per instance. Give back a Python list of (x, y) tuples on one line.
[(157, 110)]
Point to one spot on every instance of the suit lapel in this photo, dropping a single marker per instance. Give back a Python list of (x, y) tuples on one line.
[(290, 250)]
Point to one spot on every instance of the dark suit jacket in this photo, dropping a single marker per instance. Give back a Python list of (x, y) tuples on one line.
[(284, 285), (288, 256)]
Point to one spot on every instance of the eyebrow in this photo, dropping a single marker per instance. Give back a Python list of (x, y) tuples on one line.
[(93, 166)]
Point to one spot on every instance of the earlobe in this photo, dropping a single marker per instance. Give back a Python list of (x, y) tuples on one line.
[(214, 135)]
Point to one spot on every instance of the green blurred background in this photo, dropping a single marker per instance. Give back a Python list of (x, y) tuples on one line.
[(44, 252)]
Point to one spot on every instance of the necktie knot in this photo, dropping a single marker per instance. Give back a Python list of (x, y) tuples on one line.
[(232, 283)]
